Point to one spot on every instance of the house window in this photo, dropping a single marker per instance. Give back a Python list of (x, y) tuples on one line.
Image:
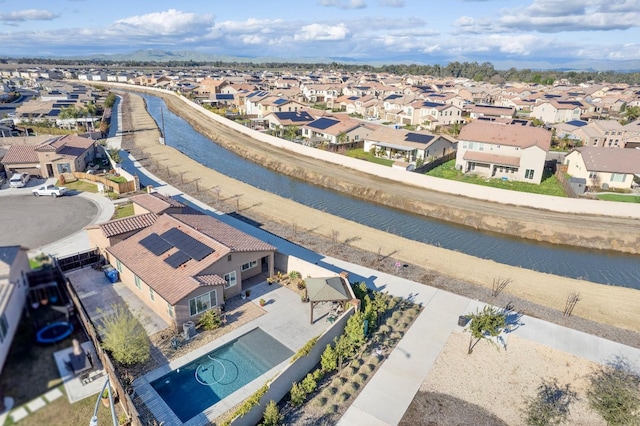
[(230, 278), (229, 258), (593, 175), (4, 327), (618, 177), (528, 174), (119, 266), (249, 265), (170, 310), (152, 294), (137, 281), (202, 303)]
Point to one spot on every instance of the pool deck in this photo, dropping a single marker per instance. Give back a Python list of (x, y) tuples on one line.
[(286, 319)]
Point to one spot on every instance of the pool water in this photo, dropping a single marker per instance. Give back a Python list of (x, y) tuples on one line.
[(196, 386)]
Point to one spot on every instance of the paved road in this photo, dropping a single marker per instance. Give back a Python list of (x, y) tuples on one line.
[(37, 221)]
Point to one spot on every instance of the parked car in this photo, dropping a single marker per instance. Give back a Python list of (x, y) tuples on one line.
[(19, 180), (50, 190)]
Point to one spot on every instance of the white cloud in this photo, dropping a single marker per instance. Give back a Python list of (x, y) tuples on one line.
[(321, 32), (344, 4), (391, 3), (28, 15), (171, 22)]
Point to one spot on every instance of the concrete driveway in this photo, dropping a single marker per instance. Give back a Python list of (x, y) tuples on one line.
[(37, 221)]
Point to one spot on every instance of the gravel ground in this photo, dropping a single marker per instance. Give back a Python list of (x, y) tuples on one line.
[(497, 382)]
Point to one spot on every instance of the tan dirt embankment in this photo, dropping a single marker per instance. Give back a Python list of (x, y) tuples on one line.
[(616, 306)]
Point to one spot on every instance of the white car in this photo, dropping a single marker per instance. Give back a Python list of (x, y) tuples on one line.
[(50, 190), (19, 180)]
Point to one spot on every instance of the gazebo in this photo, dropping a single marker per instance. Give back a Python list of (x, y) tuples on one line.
[(330, 289)]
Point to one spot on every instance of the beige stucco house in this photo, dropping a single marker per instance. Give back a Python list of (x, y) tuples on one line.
[(603, 167), (62, 154), (503, 151), (183, 264)]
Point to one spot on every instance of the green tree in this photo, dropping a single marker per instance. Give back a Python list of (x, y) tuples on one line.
[(124, 336), (297, 395), (271, 415), (486, 324), (550, 406), (354, 333), (631, 113), (329, 359), (342, 348), (614, 393), (210, 320), (110, 100)]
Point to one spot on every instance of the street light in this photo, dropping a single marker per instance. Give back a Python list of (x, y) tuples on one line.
[(94, 419)]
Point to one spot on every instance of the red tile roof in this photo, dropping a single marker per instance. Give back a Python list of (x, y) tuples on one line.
[(127, 224), (210, 279), (234, 239), (174, 284), (155, 202), (506, 134), (20, 154)]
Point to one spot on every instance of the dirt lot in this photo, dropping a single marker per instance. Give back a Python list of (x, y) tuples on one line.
[(537, 294)]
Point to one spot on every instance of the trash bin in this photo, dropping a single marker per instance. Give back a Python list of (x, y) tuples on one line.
[(111, 273), (463, 320), (188, 329)]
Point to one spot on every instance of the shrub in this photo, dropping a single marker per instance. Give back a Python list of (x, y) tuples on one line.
[(124, 336), (318, 374), (271, 415), (297, 395), (329, 359), (306, 349), (301, 285), (342, 397), (331, 409), (396, 315), (308, 383), (361, 377), (357, 363), (320, 401), (391, 322), (368, 369), (338, 381), (294, 275), (349, 371), (550, 406), (210, 320), (351, 387), (614, 393)]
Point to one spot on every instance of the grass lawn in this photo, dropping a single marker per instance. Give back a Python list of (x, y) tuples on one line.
[(30, 371), (548, 186), (368, 156), (80, 185), (620, 197), (61, 412), (123, 211)]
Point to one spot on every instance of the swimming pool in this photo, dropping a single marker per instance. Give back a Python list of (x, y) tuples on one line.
[(198, 385)]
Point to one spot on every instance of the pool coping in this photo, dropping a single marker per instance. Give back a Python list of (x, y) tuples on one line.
[(161, 410)]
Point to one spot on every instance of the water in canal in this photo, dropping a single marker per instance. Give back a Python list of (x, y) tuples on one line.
[(592, 265)]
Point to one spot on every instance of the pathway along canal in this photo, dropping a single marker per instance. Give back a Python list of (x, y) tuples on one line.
[(592, 265)]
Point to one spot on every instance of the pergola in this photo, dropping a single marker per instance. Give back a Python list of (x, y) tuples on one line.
[(331, 289)]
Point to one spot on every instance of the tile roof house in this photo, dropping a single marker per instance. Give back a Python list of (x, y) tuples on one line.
[(184, 264), (408, 145), (155, 203), (556, 111), (503, 151), (603, 167), (14, 266), (336, 130), (62, 154)]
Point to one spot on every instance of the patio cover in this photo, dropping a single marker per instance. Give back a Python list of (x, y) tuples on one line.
[(331, 289)]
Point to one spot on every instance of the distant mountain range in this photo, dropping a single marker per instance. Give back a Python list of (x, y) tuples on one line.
[(154, 55)]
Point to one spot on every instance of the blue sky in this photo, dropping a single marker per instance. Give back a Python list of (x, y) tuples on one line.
[(521, 33)]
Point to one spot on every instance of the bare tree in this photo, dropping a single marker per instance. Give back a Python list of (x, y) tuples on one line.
[(499, 284), (572, 299)]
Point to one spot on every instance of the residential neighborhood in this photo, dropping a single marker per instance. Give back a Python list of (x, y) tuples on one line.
[(199, 282)]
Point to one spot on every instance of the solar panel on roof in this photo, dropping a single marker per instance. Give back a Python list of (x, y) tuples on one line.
[(53, 113), (294, 116), (431, 104), (187, 243), (418, 137), (155, 244), (353, 98), (224, 96), (323, 123), (178, 258), (280, 101), (577, 123)]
